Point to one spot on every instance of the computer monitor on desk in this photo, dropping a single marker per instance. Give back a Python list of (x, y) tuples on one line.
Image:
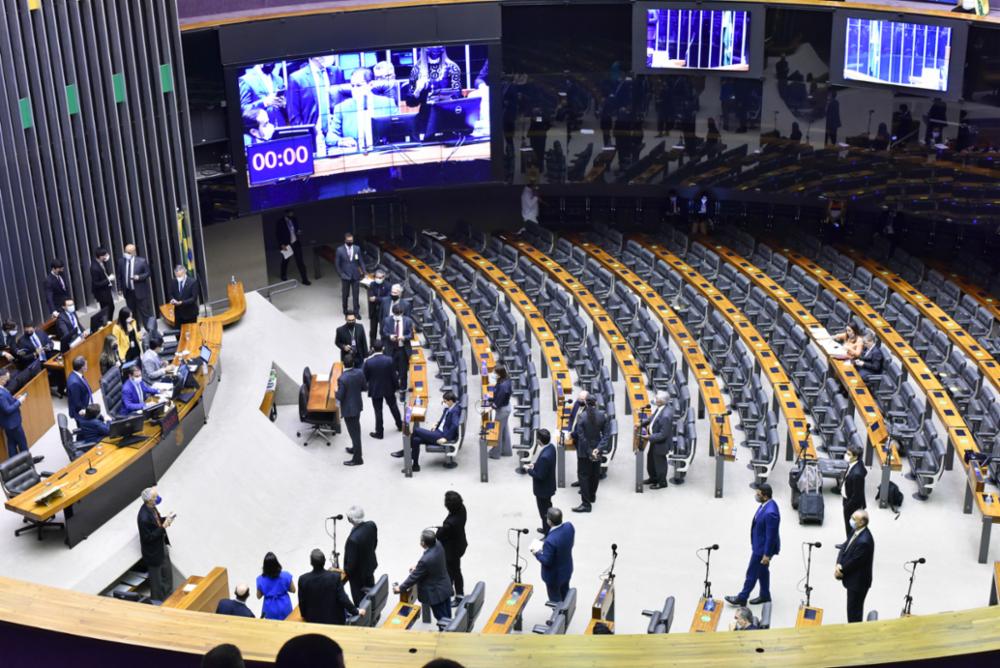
[(205, 354), (126, 428), (184, 380), (452, 118), (394, 130)]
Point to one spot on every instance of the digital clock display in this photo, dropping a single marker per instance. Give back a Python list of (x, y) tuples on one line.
[(280, 159)]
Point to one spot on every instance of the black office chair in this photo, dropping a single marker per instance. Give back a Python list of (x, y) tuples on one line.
[(18, 474), (67, 436), (111, 389), (322, 424)]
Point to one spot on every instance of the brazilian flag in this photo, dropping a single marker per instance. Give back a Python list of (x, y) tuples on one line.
[(185, 241)]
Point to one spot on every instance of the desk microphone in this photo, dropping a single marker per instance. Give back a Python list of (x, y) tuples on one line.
[(816, 544), (336, 517), (614, 548), (519, 530), (711, 547), (90, 468), (921, 560)]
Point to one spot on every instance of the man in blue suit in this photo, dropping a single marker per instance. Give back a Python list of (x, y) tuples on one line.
[(259, 90), (135, 391), (543, 476), (10, 416), (556, 556), (68, 325), (351, 269), (446, 429), (349, 388), (381, 376), (871, 360), (78, 389), (765, 543), (237, 607), (377, 291), (352, 126), (92, 427), (397, 332)]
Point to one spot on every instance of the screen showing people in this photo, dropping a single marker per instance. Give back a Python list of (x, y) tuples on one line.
[(915, 55), (352, 122), (704, 39)]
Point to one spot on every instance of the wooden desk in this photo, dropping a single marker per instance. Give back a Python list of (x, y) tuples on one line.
[(603, 607), (984, 297), (323, 393), (194, 335), (507, 614), (988, 502), (551, 352), (707, 621), (403, 616), (201, 593), (785, 398), (937, 399), (430, 154), (995, 584), (90, 348), (417, 392), (635, 385), (37, 414), (808, 617), (234, 312), (930, 310)]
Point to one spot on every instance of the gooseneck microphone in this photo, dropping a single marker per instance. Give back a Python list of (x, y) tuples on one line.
[(710, 547), (921, 560), (816, 544), (524, 531), (336, 517), (90, 468)]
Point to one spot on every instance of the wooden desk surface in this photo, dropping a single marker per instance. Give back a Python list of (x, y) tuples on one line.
[(90, 348), (857, 390), (548, 344), (323, 393), (957, 334), (707, 621), (802, 622), (635, 383), (784, 391), (433, 153), (417, 392), (205, 592), (194, 335), (940, 401), (708, 384), (402, 617), (983, 296), (510, 607), (37, 413)]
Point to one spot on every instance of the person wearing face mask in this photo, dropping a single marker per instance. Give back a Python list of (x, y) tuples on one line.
[(765, 543), (8, 341), (854, 565), (102, 283), (349, 388), (68, 325), (33, 348), (502, 409), (433, 75), (445, 430), (78, 389), (395, 297), (257, 127), (352, 118), (261, 90), (184, 296), (592, 438), (351, 268), (311, 91), (378, 290), (56, 287), (154, 542), (126, 333), (852, 490), (350, 338), (133, 281), (397, 332), (135, 391), (289, 236)]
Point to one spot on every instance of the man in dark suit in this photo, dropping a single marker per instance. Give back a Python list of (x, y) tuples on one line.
[(397, 332), (378, 290), (349, 388), (832, 118), (871, 360), (289, 236), (260, 89), (68, 326), (10, 416), (8, 340), (91, 426), (236, 607), (184, 296), (543, 476), (55, 286), (430, 576), (102, 282), (36, 343), (764, 543), (593, 440), (853, 488), (322, 599), (78, 389), (351, 268), (135, 391), (854, 566), (350, 338), (661, 436), (153, 541), (133, 281), (380, 373), (395, 297), (556, 556), (359, 553), (446, 429), (310, 96)]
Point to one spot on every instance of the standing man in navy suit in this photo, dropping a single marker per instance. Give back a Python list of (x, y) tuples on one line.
[(661, 437), (446, 429), (349, 388), (351, 267), (854, 565), (765, 543), (10, 416), (184, 296), (853, 488), (380, 372), (78, 389), (543, 477), (133, 281), (556, 556), (56, 290), (377, 291), (397, 331), (289, 236)]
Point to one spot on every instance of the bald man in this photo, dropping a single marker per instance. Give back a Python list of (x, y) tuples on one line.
[(237, 607), (854, 565), (133, 281)]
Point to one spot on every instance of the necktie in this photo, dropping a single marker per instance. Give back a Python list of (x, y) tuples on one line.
[(441, 421), (38, 346), (180, 285), (131, 283), (399, 331), (138, 389), (72, 316), (61, 282), (292, 237)]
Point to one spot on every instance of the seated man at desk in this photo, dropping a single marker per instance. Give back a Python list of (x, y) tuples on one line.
[(352, 118), (92, 427), (445, 430), (36, 346), (68, 325), (871, 360), (744, 620), (154, 367), (135, 391), (237, 607)]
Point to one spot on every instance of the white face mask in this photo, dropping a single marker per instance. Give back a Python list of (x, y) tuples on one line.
[(71, 308), (379, 280), (128, 256), (854, 525)]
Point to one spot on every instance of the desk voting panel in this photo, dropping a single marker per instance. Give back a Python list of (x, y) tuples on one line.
[(90, 348)]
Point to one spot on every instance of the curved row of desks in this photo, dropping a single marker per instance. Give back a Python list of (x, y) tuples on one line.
[(930, 310), (551, 351), (720, 427), (878, 435), (799, 441), (982, 296)]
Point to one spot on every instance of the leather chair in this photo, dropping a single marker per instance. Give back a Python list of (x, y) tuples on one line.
[(18, 474), (68, 438), (111, 389), (661, 620), (322, 424)]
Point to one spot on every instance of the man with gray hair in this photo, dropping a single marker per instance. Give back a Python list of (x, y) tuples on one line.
[(744, 620), (871, 360), (184, 296), (359, 553), (659, 430), (395, 297), (430, 576), (153, 542)]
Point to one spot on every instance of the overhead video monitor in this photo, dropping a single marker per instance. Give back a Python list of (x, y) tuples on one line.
[(678, 37), (353, 122), (922, 56)]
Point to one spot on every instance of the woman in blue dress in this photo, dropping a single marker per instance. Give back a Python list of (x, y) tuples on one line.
[(274, 585)]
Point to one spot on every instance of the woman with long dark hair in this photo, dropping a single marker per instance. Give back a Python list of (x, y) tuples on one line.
[(109, 354), (501, 406), (126, 330), (274, 586), (452, 537), (851, 338)]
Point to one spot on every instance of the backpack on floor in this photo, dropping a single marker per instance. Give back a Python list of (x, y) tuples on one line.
[(895, 496), (811, 508)]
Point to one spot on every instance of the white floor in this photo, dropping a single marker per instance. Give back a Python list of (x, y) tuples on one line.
[(246, 486)]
